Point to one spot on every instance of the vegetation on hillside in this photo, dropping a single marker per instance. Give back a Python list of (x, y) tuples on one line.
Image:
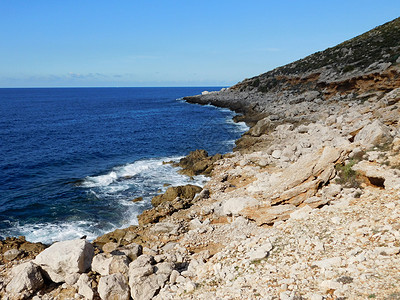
[(379, 45)]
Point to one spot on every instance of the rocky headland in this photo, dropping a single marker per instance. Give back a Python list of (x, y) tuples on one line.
[(306, 207)]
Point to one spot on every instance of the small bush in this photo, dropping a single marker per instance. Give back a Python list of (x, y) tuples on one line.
[(347, 176)]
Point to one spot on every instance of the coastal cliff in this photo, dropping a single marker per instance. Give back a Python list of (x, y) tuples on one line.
[(306, 207)]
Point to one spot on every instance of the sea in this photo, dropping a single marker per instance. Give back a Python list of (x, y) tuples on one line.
[(73, 159)]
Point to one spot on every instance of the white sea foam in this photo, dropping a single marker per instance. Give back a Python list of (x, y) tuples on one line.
[(143, 178), (51, 232), (102, 180), (150, 171), (240, 127)]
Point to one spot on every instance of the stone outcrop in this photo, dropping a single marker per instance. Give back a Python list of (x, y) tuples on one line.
[(18, 248), (163, 210), (197, 163), (185, 192)]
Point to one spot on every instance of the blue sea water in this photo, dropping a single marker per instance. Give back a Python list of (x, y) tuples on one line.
[(72, 159)]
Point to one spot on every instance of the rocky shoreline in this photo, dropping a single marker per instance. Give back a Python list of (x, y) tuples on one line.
[(306, 207)]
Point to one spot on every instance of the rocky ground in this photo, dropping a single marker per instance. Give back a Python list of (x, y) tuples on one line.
[(306, 207)]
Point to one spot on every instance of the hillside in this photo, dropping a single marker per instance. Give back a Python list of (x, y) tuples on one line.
[(369, 53), (355, 69)]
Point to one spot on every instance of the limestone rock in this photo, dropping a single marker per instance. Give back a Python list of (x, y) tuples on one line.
[(84, 286), (137, 199), (301, 213), (260, 253), (276, 154), (109, 264), (329, 262), (142, 261), (121, 236), (300, 180), (11, 254), (268, 214), (373, 134), (197, 162), (109, 247), (132, 251), (378, 175), (63, 258), (71, 279), (26, 249), (143, 288), (184, 192), (119, 264), (163, 210), (113, 287), (261, 127), (26, 279), (146, 278), (101, 264), (233, 206)]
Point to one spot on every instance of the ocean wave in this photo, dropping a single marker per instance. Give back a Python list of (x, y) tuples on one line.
[(141, 172), (51, 232)]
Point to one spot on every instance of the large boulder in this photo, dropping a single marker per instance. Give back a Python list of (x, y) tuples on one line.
[(301, 180), (373, 134), (109, 264), (113, 287), (64, 258), (26, 279), (183, 191)]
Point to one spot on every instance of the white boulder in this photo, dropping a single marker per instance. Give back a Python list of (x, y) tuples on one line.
[(373, 134), (64, 258), (26, 279)]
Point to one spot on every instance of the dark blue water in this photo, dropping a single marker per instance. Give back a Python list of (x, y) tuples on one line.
[(72, 159)]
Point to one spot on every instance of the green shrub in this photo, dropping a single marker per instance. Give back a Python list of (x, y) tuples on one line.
[(347, 176)]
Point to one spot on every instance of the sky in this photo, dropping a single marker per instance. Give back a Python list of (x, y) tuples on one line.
[(47, 43)]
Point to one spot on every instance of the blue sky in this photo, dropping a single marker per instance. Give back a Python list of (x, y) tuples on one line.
[(170, 43)]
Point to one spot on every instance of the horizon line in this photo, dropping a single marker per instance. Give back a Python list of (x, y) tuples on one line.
[(86, 87)]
